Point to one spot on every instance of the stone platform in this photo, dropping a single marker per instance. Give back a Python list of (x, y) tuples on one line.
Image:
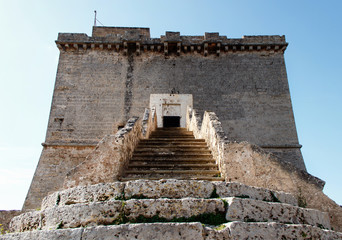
[(171, 209)]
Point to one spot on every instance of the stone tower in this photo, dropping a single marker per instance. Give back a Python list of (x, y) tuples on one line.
[(105, 79), (175, 134)]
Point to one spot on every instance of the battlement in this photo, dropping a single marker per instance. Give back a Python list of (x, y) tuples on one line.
[(138, 40)]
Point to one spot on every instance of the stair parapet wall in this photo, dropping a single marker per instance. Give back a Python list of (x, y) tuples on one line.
[(111, 155), (149, 122), (251, 165), (211, 130), (107, 162)]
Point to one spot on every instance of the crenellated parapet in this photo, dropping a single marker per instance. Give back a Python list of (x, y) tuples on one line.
[(138, 40)]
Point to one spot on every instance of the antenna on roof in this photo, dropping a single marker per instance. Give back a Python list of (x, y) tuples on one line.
[(96, 20)]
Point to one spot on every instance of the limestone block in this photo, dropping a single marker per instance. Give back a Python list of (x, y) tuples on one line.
[(232, 230), (249, 210), (82, 215), (61, 234), (26, 222), (83, 194), (243, 230), (50, 200), (232, 189), (146, 231), (170, 188), (172, 208)]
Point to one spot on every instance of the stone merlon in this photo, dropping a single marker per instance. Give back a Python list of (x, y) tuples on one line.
[(121, 38)]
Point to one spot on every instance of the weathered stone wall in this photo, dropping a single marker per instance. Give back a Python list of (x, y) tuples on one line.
[(107, 162), (54, 163), (96, 89), (5, 218), (253, 166), (249, 164), (105, 79)]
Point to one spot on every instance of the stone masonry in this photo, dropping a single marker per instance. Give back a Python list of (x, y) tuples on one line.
[(171, 209), (104, 79)]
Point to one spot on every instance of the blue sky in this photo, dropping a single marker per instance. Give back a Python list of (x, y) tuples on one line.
[(29, 57)]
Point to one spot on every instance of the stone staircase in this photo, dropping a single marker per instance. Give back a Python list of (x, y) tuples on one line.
[(172, 153), (171, 209)]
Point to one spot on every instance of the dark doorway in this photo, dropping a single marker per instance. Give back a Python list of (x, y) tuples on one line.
[(171, 121)]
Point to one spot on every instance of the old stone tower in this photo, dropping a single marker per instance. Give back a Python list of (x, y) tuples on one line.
[(186, 118), (105, 79)]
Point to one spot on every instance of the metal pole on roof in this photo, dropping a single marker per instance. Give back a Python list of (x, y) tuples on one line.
[(95, 18)]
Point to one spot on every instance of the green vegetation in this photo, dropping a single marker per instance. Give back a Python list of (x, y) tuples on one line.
[(220, 227), (121, 197), (205, 218), (2, 230), (58, 199), (140, 196), (242, 196), (214, 194), (225, 203), (320, 226), (60, 225), (274, 198), (301, 199), (247, 219)]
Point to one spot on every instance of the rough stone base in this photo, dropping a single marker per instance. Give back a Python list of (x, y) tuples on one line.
[(188, 231)]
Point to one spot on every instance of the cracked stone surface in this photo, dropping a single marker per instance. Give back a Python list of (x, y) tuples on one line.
[(168, 231), (243, 230), (170, 188), (232, 189), (192, 231), (249, 210), (111, 212), (84, 194), (77, 215), (172, 208)]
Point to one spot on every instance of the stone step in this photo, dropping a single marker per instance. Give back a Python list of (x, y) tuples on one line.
[(250, 210), (171, 133), (156, 210), (174, 138), (171, 141), (172, 155), (173, 172), (161, 160), (165, 188), (168, 165), (171, 129), (192, 178), (164, 147), (155, 136), (178, 150), (114, 212), (190, 231), (160, 176), (172, 144)]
